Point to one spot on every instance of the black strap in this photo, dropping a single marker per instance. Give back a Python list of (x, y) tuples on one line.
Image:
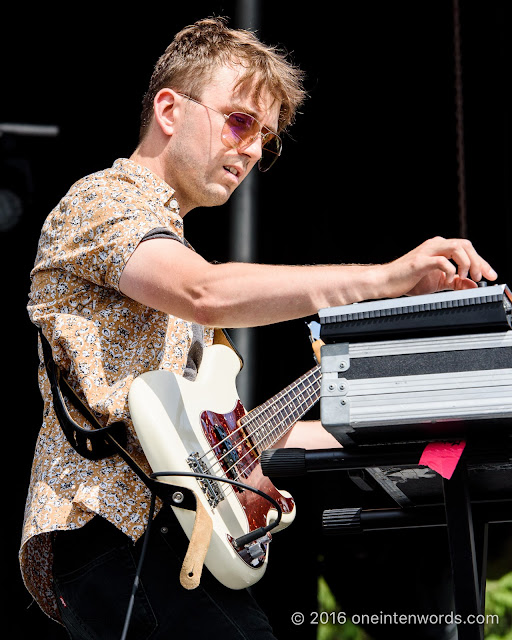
[(102, 442)]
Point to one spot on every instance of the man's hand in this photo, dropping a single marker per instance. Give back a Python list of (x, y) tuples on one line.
[(436, 265)]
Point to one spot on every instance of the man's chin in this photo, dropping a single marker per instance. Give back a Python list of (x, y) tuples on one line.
[(219, 196)]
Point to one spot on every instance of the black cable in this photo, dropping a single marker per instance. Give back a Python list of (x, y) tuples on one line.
[(239, 542), (249, 537), (136, 581)]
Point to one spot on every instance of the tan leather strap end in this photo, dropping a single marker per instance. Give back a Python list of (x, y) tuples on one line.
[(199, 542)]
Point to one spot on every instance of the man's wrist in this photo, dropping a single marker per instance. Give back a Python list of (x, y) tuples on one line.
[(377, 282)]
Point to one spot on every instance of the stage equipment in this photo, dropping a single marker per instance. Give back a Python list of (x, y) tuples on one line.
[(400, 376), (446, 372)]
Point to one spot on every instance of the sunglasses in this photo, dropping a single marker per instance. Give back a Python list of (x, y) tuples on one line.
[(241, 130)]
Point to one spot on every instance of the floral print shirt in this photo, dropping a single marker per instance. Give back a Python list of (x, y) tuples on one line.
[(101, 340)]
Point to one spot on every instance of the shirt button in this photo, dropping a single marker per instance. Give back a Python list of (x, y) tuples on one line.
[(164, 530)]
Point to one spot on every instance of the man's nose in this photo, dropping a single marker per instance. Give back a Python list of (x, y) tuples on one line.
[(252, 147)]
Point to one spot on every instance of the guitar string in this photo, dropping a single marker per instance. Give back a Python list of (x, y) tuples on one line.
[(310, 400), (261, 409), (277, 426), (268, 434), (259, 412), (238, 476), (246, 423), (279, 418), (254, 413)]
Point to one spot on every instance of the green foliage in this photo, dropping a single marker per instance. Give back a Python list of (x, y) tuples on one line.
[(335, 627), (498, 602)]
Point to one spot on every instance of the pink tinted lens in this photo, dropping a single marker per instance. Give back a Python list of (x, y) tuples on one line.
[(240, 128)]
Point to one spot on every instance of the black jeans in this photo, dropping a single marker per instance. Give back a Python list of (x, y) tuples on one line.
[(94, 570)]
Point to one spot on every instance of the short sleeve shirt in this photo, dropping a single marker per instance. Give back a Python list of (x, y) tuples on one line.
[(102, 340)]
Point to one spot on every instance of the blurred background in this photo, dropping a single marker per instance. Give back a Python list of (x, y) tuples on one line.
[(406, 134)]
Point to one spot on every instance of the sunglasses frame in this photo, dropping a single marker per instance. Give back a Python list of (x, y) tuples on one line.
[(263, 132)]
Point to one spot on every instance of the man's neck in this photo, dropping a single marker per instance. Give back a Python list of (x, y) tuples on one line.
[(154, 164), (149, 161)]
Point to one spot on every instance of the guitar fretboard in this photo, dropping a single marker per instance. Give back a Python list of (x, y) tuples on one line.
[(268, 423)]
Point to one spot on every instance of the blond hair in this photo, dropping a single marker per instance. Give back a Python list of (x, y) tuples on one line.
[(197, 50)]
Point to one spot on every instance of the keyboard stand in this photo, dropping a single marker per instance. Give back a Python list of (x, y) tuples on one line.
[(468, 573), (466, 519)]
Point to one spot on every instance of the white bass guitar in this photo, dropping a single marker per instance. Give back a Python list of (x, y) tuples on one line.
[(202, 426)]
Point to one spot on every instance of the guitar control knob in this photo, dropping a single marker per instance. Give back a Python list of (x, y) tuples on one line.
[(341, 521)]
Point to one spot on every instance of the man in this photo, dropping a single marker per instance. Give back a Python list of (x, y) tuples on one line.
[(117, 291)]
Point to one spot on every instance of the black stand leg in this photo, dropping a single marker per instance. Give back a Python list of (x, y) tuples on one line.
[(481, 531), (467, 589)]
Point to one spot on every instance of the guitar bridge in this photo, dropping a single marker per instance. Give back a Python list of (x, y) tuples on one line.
[(211, 488)]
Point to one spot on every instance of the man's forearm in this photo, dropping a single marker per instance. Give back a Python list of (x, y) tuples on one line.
[(169, 277), (240, 295), (308, 434)]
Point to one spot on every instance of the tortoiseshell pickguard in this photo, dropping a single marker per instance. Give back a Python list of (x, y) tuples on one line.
[(239, 459)]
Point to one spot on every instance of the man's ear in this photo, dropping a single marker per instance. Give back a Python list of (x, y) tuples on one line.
[(164, 106)]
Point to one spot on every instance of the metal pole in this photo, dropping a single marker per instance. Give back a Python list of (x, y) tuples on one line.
[(243, 233), (41, 130), (461, 540), (459, 118)]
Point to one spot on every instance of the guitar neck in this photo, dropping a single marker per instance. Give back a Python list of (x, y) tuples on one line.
[(270, 421)]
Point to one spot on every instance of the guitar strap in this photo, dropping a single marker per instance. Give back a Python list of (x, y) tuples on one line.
[(103, 442), (192, 567)]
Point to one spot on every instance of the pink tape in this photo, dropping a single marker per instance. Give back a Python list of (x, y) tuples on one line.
[(442, 457)]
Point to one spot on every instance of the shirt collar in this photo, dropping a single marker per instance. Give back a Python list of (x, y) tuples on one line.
[(147, 180)]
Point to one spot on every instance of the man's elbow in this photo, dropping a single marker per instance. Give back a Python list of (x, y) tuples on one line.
[(207, 310)]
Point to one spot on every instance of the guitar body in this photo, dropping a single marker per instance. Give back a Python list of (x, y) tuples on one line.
[(193, 426)]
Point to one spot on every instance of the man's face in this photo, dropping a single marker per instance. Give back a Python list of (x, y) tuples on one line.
[(202, 170)]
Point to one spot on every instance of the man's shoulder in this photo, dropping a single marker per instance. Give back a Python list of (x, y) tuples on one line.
[(124, 179), (103, 179), (124, 195)]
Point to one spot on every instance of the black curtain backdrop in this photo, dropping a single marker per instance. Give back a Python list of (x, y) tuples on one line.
[(368, 171)]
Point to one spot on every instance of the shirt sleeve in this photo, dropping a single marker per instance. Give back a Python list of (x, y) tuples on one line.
[(93, 232), (161, 232)]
